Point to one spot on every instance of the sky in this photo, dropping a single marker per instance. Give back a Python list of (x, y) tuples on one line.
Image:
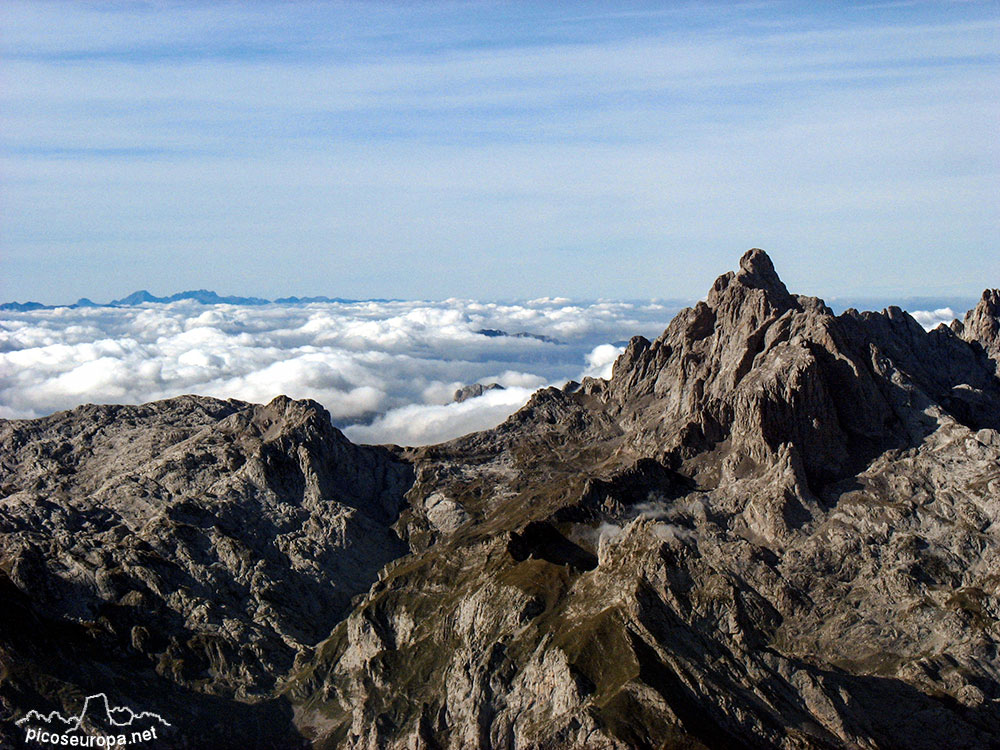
[(496, 150)]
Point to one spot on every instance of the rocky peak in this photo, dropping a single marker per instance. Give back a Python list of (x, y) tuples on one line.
[(736, 369), (737, 309), (758, 373), (194, 528), (474, 391), (982, 323), (755, 287), (757, 272), (283, 418)]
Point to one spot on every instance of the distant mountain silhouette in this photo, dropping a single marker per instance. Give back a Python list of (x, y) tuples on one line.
[(497, 333), (204, 296), (201, 296), (24, 306)]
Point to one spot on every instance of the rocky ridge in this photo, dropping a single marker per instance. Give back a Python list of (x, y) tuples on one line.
[(981, 323), (474, 391), (772, 527)]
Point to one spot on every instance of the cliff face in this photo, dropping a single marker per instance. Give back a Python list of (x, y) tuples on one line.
[(763, 371), (981, 323), (772, 527)]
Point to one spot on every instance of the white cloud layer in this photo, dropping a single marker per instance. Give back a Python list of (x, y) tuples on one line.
[(425, 424), (933, 318), (387, 371)]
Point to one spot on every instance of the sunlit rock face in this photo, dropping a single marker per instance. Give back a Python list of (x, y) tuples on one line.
[(772, 526), (981, 323)]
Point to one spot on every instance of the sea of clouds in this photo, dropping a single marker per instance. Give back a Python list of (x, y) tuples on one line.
[(386, 371)]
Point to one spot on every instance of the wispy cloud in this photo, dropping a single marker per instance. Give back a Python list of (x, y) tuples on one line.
[(517, 146)]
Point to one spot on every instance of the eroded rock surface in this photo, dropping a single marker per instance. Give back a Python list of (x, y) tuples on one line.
[(206, 543), (981, 323), (773, 527)]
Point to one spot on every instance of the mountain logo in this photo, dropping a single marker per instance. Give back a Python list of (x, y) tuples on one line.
[(97, 725)]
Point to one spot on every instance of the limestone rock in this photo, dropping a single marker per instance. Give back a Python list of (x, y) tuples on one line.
[(982, 323), (207, 543)]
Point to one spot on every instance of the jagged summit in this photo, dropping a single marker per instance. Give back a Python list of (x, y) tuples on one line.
[(756, 371), (982, 323), (757, 271)]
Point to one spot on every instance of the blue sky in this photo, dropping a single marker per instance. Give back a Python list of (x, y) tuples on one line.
[(496, 150)]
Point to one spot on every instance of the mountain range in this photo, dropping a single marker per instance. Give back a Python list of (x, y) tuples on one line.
[(773, 526), (201, 296)]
